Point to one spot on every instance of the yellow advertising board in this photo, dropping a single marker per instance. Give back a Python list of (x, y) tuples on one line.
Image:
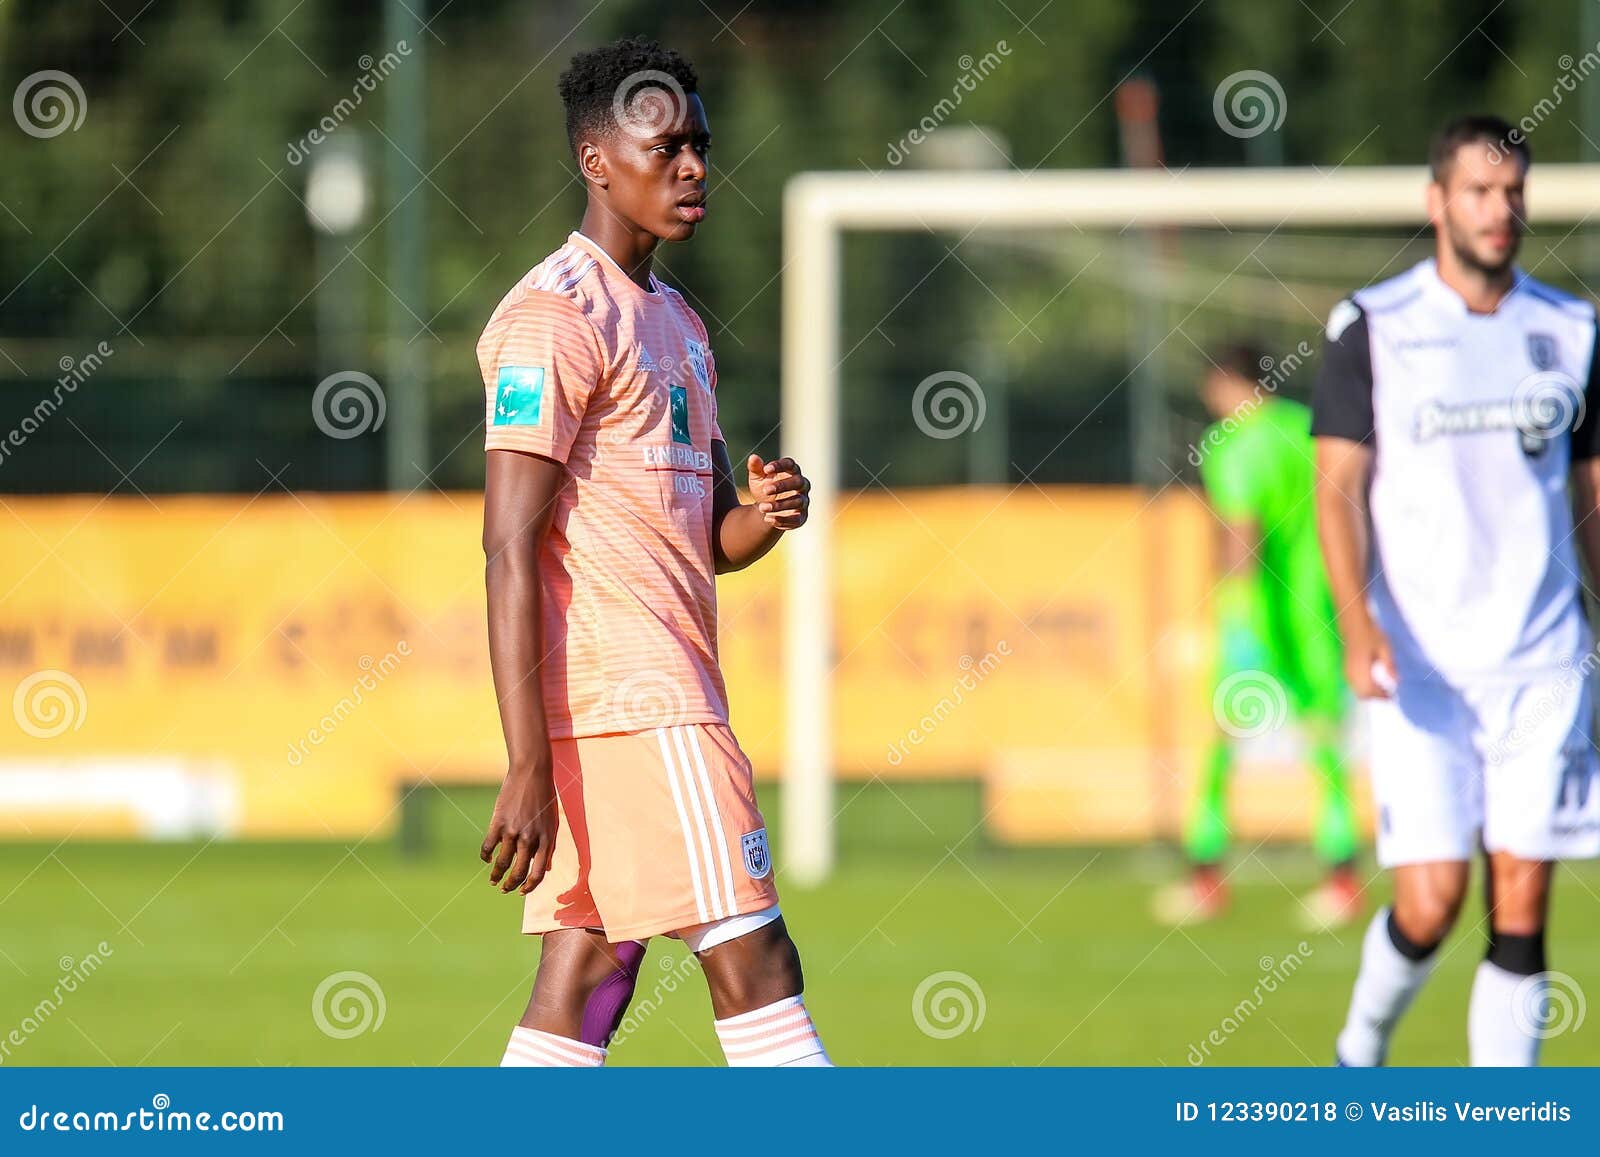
[(280, 665)]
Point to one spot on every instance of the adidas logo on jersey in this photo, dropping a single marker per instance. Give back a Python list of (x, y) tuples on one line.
[(646, 364)]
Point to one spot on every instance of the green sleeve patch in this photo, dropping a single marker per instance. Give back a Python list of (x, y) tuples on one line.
[(519, 396)]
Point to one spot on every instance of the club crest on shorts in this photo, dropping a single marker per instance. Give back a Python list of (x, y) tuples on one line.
[(1542, 350), (757, 857)]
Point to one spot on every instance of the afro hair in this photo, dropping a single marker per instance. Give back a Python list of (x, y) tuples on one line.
[(596, 79)]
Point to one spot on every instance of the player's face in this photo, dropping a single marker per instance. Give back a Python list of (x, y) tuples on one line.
[(1222, 392), (1211, 393), (1479, 209), (657, 161)]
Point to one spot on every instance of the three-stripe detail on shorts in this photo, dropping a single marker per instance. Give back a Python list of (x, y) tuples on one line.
[(705, 840)]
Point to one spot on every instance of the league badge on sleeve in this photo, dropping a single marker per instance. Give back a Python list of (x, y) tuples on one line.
[(757, 858), (519, 398)]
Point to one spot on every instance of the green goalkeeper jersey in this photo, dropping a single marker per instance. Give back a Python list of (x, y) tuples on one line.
[(1260, 468)]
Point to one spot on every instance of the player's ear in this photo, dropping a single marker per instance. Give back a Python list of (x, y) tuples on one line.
[(592, 163), (1435, 198)]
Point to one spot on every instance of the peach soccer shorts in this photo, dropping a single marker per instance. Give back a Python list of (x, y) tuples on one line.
[(659, 831)]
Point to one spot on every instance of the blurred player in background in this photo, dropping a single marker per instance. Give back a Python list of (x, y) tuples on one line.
[(628, 809), (1455, 404), (1275, 627)]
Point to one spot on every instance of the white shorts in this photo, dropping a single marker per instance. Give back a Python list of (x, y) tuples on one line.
[(1509, 768)]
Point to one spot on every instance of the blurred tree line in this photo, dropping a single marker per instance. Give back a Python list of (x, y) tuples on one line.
[(170, 223)]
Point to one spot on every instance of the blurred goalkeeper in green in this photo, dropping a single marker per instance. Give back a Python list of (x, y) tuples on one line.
[(1278, 652)]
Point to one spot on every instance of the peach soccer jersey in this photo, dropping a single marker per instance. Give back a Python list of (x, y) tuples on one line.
[(583, 366)]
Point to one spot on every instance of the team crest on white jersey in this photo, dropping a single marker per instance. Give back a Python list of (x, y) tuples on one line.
[(757, 857), (1542, 350), (697, 363)]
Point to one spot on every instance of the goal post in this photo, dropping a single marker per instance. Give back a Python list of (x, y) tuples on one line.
[(819, 207)]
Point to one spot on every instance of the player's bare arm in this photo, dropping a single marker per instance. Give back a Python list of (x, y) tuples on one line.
[(519, 497), (743, 532), (1343, 468), (1238, 547)]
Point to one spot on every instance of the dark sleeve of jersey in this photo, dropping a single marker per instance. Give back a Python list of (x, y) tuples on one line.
[(1341, 400), (1586, 434)]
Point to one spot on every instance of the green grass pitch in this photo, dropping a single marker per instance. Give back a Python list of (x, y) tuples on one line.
[(217, 951)]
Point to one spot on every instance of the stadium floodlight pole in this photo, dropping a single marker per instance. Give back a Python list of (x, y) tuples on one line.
[(819, 207), (405, 110)]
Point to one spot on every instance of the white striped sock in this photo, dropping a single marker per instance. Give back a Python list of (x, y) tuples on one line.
[(781, 1034), (530, 1048)]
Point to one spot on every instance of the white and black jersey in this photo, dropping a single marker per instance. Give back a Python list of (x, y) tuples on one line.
[(1475, 421)]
